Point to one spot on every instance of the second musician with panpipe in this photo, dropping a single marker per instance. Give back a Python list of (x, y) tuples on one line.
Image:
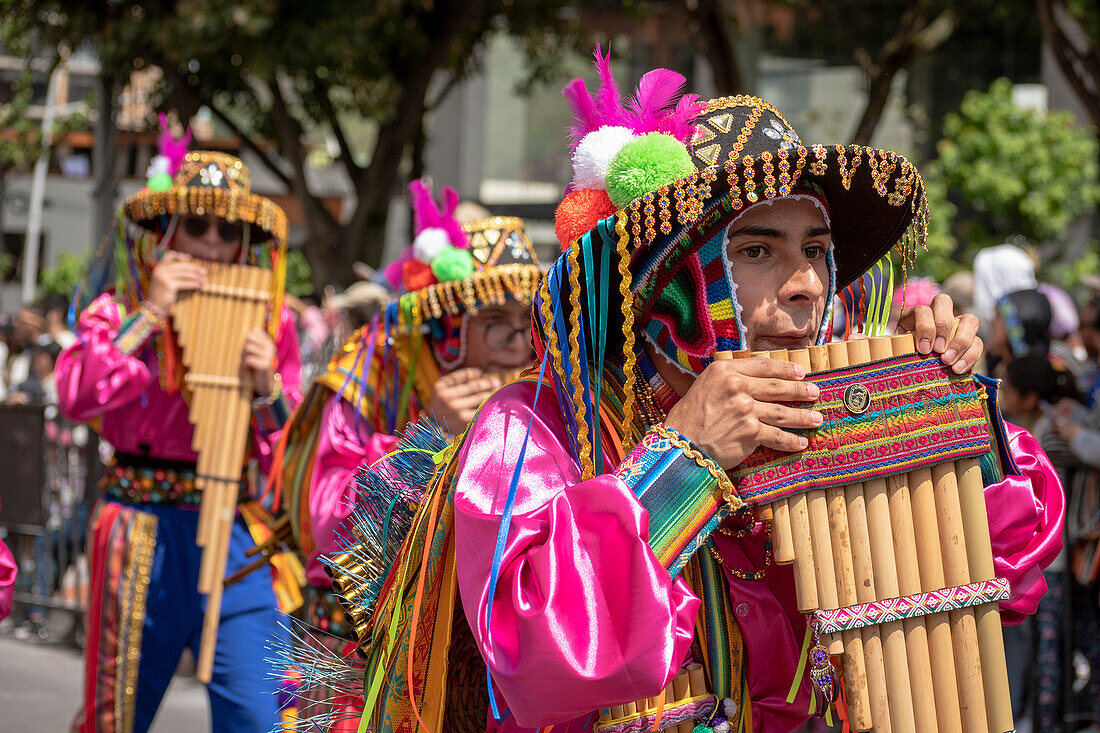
[(186, 357)]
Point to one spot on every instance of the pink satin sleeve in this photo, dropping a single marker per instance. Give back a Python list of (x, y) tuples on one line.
[(584, 615), (8, 571), (344, 444), (93, 376), (1025, 524)]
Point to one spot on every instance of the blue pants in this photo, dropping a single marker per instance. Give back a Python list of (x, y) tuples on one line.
[(242, 691)]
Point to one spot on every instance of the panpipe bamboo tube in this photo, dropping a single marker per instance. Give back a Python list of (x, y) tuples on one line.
[(857, 692), (907, 573), (979, 553), (964, 631), (681, 688), (876, 579), (922, 510), (818, 518), (688, 683), (797, 512), (212, 325)]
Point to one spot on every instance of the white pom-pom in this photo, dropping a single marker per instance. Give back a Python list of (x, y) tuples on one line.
[(723, 727), (729, 708), (158, 165), (594, 152), (430, 243)]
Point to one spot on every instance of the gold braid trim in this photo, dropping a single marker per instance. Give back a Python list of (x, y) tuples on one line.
[(139, 564), (629, 397), (576, 323), (551, 332), (729, 493)]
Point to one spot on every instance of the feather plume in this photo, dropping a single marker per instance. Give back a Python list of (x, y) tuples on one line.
[(424, 211), (680, 121), (656, 92), (608, 101), (427, 214), (171, 148), (586, 118)]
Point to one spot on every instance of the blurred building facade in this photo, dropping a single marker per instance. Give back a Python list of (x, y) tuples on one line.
[(507, 150)]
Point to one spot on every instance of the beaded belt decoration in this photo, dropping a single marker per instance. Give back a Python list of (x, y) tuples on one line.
[(911, 606), (881, 418), (133, 479), (674, 713)]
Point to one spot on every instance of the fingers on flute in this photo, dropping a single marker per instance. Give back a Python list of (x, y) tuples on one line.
[(772, 437), (965, 348), (943, 315), (782, 390), (781, 416)]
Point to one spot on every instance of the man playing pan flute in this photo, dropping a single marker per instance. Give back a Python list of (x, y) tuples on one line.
[(583, 515), (460, 330), (124, 374)]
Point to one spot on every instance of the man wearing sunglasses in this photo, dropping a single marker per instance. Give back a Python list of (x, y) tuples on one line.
[(124, 373)]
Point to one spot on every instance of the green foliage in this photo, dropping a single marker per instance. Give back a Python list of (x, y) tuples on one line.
[(1016, 171), (22, 142), (938, 260), (63, 276), (298, 274)]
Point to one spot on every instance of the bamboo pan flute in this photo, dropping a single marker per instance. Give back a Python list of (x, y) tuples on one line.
[(689, 682), (211, 325), (909, 533)]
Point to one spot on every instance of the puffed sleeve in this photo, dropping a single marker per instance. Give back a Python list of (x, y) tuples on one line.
[(101, 372), (585, 613), (1025, 523), (7, 580), (345, 443)]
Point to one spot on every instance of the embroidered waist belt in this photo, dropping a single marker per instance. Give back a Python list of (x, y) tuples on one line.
[(134, 479), (881, 418)]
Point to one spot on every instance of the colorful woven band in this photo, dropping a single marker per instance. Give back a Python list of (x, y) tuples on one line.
[(148, 481), (918, 604), (881, 418), (681, 711)]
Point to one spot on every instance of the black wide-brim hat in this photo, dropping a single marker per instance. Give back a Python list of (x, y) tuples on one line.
[(746, 152)]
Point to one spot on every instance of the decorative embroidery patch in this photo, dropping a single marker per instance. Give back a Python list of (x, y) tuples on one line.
[(911, 606), (881, 418)]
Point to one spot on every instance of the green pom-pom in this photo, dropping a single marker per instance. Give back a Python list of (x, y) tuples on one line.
[(159, 182), (452, 264), (645, 164)]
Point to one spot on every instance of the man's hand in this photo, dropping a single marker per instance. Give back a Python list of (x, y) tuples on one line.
[(259, 359), (457, 396), (175, 273), (931, 327), (732, 408)]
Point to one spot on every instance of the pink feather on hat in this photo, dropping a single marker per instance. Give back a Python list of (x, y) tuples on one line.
[(657, 91), (678, 123), (171, 148), (426, 214)]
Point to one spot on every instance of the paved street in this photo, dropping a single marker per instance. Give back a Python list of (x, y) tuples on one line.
[(40, 691)]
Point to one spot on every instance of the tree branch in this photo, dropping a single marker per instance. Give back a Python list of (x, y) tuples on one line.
[(321, 90), (181, 82), (712, 28), (289, 134), (1065, 53)]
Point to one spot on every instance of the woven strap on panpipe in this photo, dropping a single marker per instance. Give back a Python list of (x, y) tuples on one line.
[(681, 711), (911, 606), (880, 418)]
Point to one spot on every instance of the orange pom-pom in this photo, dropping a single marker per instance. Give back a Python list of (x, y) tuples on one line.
[(578, 212), (416, 274)]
